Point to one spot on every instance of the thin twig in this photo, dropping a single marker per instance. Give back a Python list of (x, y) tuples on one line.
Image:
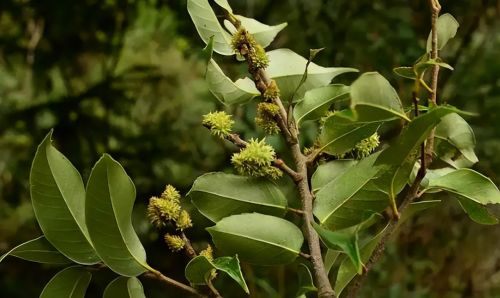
[(155, 274), (213, 289), (298, 211), (190, 252), (304, 255)]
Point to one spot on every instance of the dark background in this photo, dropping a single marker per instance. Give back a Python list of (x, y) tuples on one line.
[(126, 77)]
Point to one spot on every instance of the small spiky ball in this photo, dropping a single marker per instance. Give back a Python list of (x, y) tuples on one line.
[(367, 146), (160, 211), (183, 221), (244, 43), (256, 160), (219, 123), (272, 91), (171, 194), (174, 242), (208, 253), (266, 112)]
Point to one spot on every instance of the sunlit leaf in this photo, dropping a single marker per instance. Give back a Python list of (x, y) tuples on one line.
[(263, 34), (327, 172), (456, 131), (447, 27), (316, 102)]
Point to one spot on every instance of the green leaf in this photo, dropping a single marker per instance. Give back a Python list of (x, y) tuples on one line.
[(394, 179), (468, 184), (71, 282), (327, 172), (305, 282), (287, 69), (224, 4), (257, 238), (330, 259), (207, 25), (477, 212), (347, 242), (349, 199), (199, 270), (124, 287), (340, 134), (227, 91), (110, 200), (263, 34), (415, 134), (218, 195), (405, 72), (58, 198), (208, 51), (447, 27), (456, 131), (37, 250), (417, 207), (374, 99), (317, 101)]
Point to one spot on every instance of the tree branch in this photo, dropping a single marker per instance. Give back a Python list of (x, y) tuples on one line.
[(155, 274)]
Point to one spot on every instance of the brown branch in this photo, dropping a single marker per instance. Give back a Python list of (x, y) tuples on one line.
[(155, 274), (304, 255), (188, 248), (289, 130)]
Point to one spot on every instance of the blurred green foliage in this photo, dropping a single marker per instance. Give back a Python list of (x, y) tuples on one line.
[(125, 77)]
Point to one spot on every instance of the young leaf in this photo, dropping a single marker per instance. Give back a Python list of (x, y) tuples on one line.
[(447, 27), (374, 99), (305, 281), (456, 131), (468, 184), (58, 198), (207, 25), (327, 172), (218, 195), (287, 69), (110, 200), (348, 200), (263, 34), (124, 287), (477, 212), (37, 250), (227, 91), (257, 238), (71, 282), (405, 72), (198, 271), (317, 101), (348, 243), (339, 134)]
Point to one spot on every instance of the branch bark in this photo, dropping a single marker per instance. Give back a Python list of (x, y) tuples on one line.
[(155, 274)]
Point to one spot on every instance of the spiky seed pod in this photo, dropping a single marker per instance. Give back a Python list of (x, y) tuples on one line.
[(161, 211), (272, 92), (244, 43), (266, 112), (258, 58), (175, 243), (183, 221), (256, 160), (219, 123), (171, 194), (367, 146), (208, 253)]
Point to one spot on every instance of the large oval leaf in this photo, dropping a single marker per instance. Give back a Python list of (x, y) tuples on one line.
[(110, 200), (257, 238), (287, 69), (58, 198), (339, 134), (316, 102), (447, 27), (227, 91), (327, 172), (199, 270), (456, 131), (374, 99), (477, 212), (263, 34), (207, 25), (218, 195), (124, 287), (71, 282), (348, 200), (37, 250)]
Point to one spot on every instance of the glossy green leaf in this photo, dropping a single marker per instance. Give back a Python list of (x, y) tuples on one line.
[(374, 99), (227, 91), (305, 281), (447, 27), (71, 282), (316, 102), (349, 199), (340, 134), (218, 195), (346, 242), (199, 270), (468, 184), (287, 69), (330, 259), (58, 198), (37, 250), (477, 212), (208, 25), (263, 34), (327, 172), (257, 238), (455, 130), (415, 134), (393, 180), (405, 72), (124, 287), (110, 200)]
